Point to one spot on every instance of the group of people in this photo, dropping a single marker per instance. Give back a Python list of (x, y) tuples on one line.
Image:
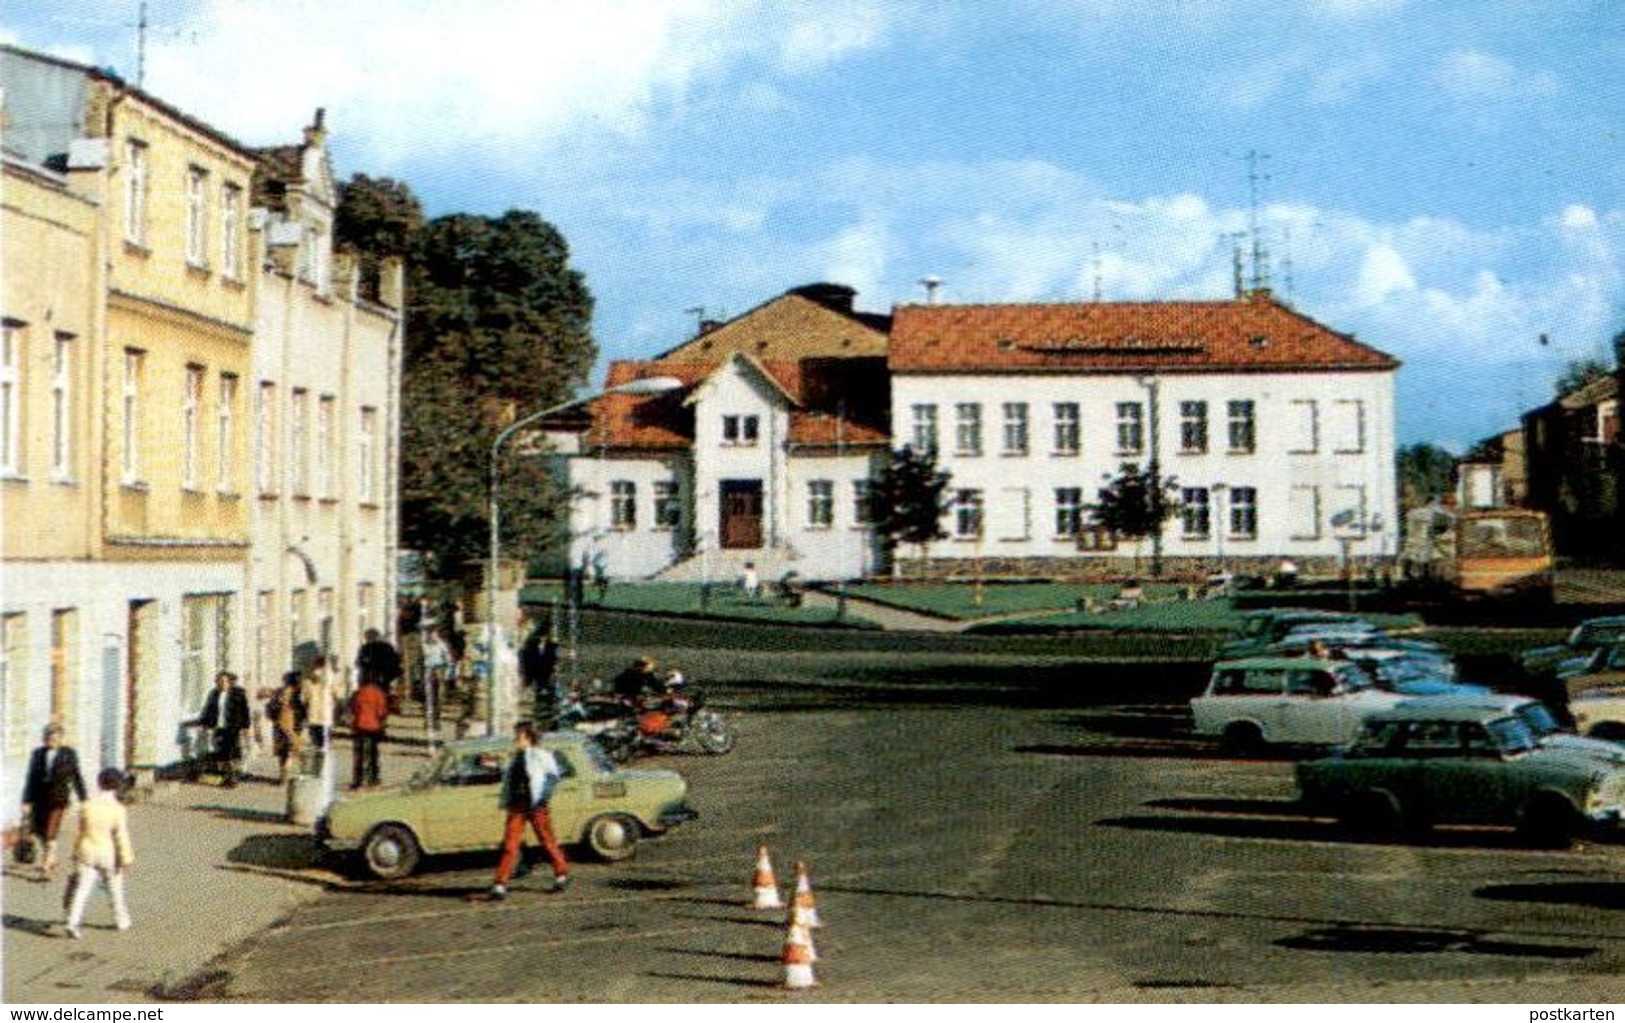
[(300, 712), (103, 852)]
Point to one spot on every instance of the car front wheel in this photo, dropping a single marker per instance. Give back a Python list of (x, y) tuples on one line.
[(391, 852), (613, 837), (1243, 738), (1550, 822), (1374, 812)]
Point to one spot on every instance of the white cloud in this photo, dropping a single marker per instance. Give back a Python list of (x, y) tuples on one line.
[(1475, 75), (829, 31)]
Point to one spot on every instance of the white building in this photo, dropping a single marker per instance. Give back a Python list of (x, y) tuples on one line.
[(1276, 431)]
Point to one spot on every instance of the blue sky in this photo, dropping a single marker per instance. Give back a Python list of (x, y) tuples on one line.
[(1442, 179)]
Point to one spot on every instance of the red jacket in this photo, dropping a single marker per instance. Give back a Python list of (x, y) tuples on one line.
[(369, 709)]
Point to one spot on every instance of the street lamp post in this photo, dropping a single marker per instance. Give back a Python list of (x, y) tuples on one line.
[(649, 385), (1219, 524), (1152, 386)]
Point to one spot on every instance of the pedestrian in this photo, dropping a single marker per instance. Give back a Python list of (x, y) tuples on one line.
[(102, 853), (369, 713), (225, 714), (286, 712), (436, 666), (52, 784), (751, 581), (527, 788), (377, 662), (318, 691), (600, 573), (428, 627), (538, 663)]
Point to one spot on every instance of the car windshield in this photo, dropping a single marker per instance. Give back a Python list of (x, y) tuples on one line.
[(1511, 735), (1353, 677), (1598, 634), (1502, 537), (1537, 719)]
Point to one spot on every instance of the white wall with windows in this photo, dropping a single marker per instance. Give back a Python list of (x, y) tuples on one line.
[(1266, 464), (636, 512)]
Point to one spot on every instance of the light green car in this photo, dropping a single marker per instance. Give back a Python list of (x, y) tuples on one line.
[(453, 805)]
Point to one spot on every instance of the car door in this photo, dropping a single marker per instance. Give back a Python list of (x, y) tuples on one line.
[(1309, 711), (569, 806), (462, 809), (1461, 775)]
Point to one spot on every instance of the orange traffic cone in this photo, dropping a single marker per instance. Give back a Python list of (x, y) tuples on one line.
[(798, 958), (803, 907), (766, 889)]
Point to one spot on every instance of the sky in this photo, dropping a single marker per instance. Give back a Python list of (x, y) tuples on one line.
[(1440, 179)]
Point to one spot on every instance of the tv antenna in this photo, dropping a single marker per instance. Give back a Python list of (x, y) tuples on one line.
[(1261, 272)]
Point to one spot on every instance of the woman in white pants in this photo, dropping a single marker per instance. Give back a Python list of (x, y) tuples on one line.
[(103, 851)]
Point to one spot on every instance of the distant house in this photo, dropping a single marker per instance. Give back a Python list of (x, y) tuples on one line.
[(1576, 461), (1277, 429), (1494, 474)]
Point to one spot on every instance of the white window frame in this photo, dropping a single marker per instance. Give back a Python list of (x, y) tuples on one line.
[(130, 416), (1243, 513), (668, 510), (970, 514), (265, 463), (1021, 500), (197, 218), (11, 400), (1296, 502), (1354, 411), (62, 410), (1068, 428), (1130, 428), (968, 429), (326, 410), (1195, 513), (863, 513), (226, 434), (1015, 428), (1193, 428), (1242, 426), (191, 425), (623, 505), (14, 682), (298, 469), (135, 192), (231, 231), (820, 504), (1305, 411), (1069, 512), (925, 427), (741, 430), (366, 455)]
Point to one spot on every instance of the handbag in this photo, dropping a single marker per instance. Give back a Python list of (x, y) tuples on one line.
[(21, 843)]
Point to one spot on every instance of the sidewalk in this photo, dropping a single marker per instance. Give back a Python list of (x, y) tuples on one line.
[(214, 867)]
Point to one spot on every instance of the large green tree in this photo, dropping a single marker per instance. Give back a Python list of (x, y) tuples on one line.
[(1427, 472), (1136, 503), (376, 219), (1579, 373), (908, 500)]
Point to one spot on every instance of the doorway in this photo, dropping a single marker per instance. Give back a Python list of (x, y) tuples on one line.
[(741, 514)]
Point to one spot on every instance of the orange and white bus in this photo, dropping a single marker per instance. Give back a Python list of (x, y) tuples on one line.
[(1505, 553)]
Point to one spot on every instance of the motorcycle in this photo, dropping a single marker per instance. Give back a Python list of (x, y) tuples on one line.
[(676, 720)]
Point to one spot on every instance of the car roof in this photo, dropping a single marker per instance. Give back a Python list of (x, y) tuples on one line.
[(1605, 620), (1455, 707), (1278, 663), (1305, 614), (556, 740)]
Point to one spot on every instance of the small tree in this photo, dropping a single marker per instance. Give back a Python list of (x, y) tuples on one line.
[(1135, 503), (907, 501)]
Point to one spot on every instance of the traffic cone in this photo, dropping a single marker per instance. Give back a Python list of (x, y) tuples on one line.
[(803, 907), (798, 959), (766, 894)]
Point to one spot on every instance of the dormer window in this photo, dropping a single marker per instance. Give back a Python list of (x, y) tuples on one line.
[(740, 430)]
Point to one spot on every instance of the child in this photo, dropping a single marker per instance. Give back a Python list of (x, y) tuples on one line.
[(103, 851)]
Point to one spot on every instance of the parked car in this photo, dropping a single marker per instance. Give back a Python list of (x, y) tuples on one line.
[(1258, 701), (451, 805), (1605, 667), (1410, 674), (1574, 653), (1459, 762), (1535, 715), (1600, 713), (1259, 630)]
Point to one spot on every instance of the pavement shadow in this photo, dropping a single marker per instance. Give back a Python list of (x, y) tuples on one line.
[(28, 925), (704, 979), (1596, 894), (1300, 830), (744, 957), (1423, 941), (240, 813), (278, 852), (1149, 749), (1242, 807)]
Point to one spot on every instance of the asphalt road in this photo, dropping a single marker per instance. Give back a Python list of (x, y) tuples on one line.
[(971, 840)]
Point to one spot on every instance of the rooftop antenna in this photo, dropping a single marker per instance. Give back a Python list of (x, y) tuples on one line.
[(1236, 265), (1286, 260), (1096, 246), (698, 312), (1261, 273), (931, 284)]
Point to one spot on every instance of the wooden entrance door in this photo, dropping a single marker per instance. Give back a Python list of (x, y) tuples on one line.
[(741, 514)]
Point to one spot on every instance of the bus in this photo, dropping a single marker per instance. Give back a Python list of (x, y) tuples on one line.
[(1503, 553)]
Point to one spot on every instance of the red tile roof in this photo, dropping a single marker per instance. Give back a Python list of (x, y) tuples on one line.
[(1253, 334)]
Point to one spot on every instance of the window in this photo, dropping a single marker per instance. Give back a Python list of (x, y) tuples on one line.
[(967, 513), (1193, 427), (623, 505), (62, 408), (313, 266), (1242, 427), (925, 428), (325, 406), (1243, 513), (1015, 428), (64, 666), (130, 416), (363, 607), (297, 478), (863, 509), (820, 504), (668, 505), (1348, 513), (741, 430), (1130, 428), (191, 411), (366, 456), (1068, 511), (14, 682), (1305, 424), (197, 216), (264, 610), (1303, 508), (968, 431), (135, 192), (265, 438), (1016, 511), (1067, 432), (1348, 426), (226, 434), (231, 231), (1193, 512), (11, 400)]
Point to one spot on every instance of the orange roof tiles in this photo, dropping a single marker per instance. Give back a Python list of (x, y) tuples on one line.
[(1253, 334)]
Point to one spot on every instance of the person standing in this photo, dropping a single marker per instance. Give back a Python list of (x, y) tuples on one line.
[(527, 788), (286, 710), (369, 713), (103, 852), (225, 714), (53, 782), (538, 662), (318, 691), (377, 662), (436, 668)]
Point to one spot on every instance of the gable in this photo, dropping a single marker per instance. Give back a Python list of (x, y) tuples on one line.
[(789, 327)]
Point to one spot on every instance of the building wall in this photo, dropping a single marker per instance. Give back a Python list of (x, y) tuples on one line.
[(645, 546), (1332, 466), (737, 390), (845, 547)]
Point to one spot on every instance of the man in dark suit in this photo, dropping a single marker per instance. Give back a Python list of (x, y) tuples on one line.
[(53, 781), (225, 712), (377, 662)]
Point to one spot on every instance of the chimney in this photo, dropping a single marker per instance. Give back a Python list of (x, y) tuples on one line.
[(838, 297), (931, 284), (706, 326)]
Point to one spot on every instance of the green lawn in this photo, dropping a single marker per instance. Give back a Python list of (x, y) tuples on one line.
[(1209, 616), (687, 600), (962, 601)]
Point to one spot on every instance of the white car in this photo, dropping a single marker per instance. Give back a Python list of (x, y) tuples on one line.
[(1260, 701), (1600, 713)]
